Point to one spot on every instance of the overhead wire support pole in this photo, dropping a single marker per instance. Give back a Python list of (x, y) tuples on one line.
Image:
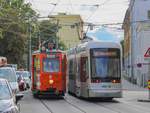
[(30, 48), (57, 39)]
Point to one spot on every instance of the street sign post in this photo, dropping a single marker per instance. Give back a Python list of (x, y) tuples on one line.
[(147, 56), (149, 87)]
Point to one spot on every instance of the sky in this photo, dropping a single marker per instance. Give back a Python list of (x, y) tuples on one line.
[(94, 11)]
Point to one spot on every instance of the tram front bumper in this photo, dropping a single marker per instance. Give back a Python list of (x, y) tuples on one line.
[(105, 93), (50, 91)]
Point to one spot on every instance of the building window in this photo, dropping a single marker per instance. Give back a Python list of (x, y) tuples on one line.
[(72, 26), (148, 14)]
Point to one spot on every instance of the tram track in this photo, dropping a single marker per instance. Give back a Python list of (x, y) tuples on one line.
[(103, 106), (66, 101), (83, 111), (46, 106), (134, 107), (72, 103), (107, 107)]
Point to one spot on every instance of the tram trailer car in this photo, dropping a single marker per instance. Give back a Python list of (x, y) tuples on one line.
[(94, 70), (49, 73)]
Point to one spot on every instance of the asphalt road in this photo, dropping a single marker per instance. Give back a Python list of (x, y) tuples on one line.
[(70, 104)]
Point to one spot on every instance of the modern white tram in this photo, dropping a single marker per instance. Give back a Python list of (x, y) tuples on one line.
[(94, 70)]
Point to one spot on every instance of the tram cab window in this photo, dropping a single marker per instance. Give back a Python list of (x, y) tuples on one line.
[(106, 63), (50, 65)]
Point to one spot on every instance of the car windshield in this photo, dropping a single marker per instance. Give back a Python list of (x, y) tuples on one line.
[(23, 74), (8, 74), (18, 73), (4, 91)]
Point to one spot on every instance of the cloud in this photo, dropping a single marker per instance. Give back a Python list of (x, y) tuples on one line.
[(111, 11), (106, 34)]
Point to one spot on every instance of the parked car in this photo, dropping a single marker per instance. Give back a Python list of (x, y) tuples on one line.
[(9, 74), (8, 100), (26, 77)]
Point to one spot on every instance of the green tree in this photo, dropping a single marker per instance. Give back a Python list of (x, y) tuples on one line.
[(46, 32), (15, 16)]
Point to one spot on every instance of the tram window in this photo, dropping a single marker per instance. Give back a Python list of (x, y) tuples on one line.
[(64, 64), (71, 67), (50, 65), (84, 69)]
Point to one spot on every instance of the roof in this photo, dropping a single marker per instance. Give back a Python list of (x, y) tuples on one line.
[(48, 51), (67, 16), (101, 44)]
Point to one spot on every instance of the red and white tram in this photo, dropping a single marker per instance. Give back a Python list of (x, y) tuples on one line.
[(49, 73)]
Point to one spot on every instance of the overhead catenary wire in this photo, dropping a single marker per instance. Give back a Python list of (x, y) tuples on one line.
[(71, 6), (55, 5), (87, 24), (98, 5)]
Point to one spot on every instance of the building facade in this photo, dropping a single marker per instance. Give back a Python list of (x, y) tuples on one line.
[(70, 28), (137, 41)]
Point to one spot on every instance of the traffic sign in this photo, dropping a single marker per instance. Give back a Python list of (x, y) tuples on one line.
[(147, 54)]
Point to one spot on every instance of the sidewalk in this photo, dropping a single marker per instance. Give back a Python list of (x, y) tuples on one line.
[(126, 85)]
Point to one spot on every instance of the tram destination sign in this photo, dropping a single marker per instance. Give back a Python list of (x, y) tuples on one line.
[(104, 53), (53, 56)]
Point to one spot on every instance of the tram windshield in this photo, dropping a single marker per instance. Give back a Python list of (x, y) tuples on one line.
[(106, 63), (51, 65)]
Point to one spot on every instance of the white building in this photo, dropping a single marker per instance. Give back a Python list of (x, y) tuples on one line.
[(138, 34)]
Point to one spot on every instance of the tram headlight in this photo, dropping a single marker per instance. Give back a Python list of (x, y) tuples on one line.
[(51, 81), (115, 81)]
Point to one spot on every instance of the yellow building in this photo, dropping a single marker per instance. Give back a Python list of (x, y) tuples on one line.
[(127, 34), (127, 44), (70, 28)]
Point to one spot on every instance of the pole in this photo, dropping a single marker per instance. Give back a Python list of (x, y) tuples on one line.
[(30, 49), (148, 84), (57, 38)]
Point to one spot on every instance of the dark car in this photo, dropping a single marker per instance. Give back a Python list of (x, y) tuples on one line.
[(23, 79), (21, 83), (8, 99)]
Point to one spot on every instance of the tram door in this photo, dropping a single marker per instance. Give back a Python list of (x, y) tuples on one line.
[(34, 72), (36, 68)]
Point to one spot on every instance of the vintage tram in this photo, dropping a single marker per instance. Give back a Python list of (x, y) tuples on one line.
[(94, 70), (49, 73)]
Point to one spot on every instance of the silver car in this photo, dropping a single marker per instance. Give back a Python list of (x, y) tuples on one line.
[(9, 74), (8, 100)]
